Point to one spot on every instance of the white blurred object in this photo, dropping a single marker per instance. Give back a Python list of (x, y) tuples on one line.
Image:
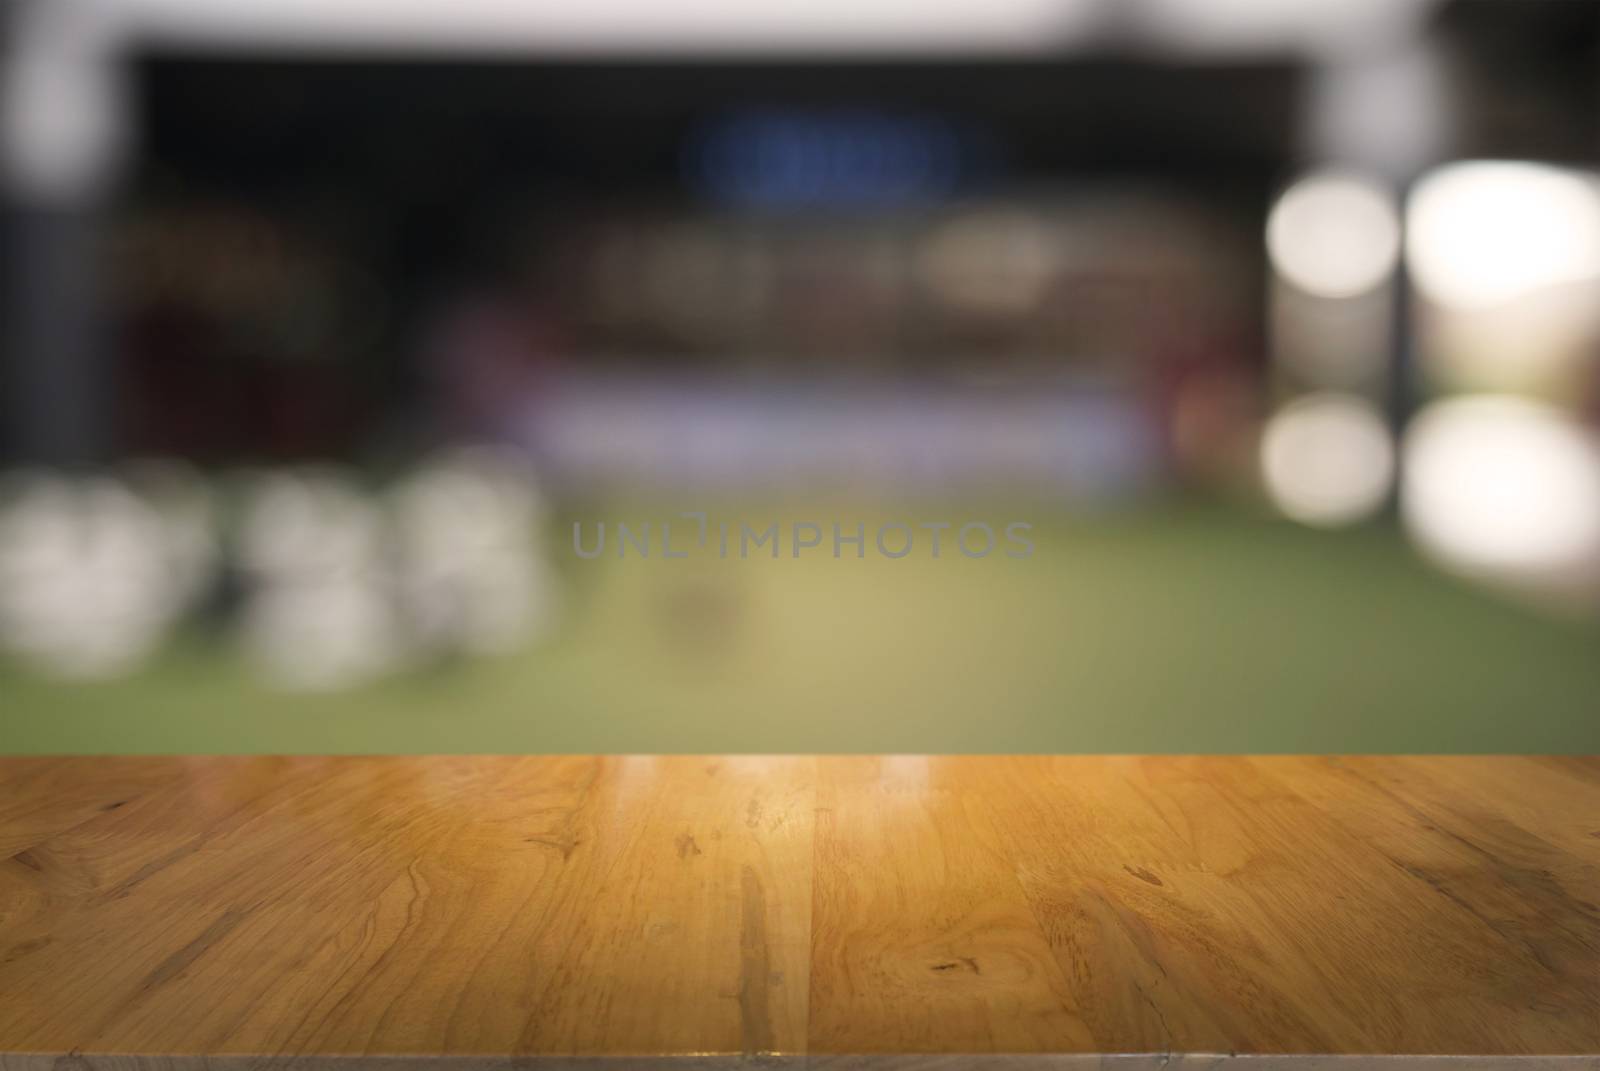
[(318, 615), (1543, 343), (86, 582), (1483, 233), (1508, 256), (1389, 107), (1334, 234), (1328, 459), (182, 503), (1313, 26), (312, 523), (1332, 344), (618, 25), (1316, 27), (994, 261), (472, 575), (320, 636), (1508, 490), (64, 122)]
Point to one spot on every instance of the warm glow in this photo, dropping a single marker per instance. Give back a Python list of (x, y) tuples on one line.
[(1327, 459), (1334, 235), (1480, 234), (1503, 486)]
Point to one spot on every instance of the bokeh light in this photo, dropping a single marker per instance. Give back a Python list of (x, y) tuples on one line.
[(1505, 488), (1327, 459), (1485, 232), (1334, 234)]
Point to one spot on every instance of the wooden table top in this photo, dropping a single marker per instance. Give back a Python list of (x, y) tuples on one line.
[(182, 911)]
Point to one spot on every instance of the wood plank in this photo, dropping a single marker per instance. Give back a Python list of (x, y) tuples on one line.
[(1120, 868), (1248, 919), (923, 939), (406, 906), (1454, 825), (46, 796), (869, 912)]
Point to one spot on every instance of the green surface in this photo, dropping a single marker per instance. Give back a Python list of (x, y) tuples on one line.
[(1172, 630)]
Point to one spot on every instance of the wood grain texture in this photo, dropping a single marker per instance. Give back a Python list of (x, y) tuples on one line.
[(869, 912)]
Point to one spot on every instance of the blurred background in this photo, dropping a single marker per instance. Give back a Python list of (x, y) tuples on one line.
[(325, 321)]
